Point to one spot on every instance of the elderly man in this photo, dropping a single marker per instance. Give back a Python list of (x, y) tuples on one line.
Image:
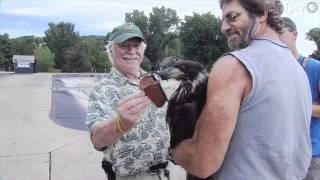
[(312, 68), (130, 130), (255, 123)]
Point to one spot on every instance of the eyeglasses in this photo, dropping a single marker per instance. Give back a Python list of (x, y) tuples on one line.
[(231, 17)]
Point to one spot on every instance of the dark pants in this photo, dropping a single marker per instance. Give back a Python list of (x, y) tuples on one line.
[(107, 167)]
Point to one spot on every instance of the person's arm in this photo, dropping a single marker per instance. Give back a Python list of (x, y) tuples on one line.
[(129, 111), (202, 155), (316, 110), (316, 103), (105, 133)]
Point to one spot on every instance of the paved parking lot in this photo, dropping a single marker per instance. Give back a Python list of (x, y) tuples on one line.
[(32, 146)]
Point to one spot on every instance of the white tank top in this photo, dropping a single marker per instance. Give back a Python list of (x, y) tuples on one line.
[(271, 140)]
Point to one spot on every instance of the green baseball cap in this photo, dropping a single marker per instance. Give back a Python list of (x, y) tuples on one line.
[(124, 32)]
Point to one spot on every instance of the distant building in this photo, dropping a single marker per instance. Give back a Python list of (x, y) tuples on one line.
[(23, 63)]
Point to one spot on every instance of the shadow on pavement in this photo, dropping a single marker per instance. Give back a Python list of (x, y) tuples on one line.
[(70, 93)]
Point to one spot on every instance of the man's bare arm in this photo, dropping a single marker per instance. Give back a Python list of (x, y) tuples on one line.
[(129, 111), (202, 155), (105, 133), (316, 110)]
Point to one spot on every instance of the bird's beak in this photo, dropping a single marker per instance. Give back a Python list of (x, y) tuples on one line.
[(170, 73)]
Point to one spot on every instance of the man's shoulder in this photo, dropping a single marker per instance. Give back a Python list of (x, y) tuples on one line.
[(313, 63), (229, 67), (313, 68), (228, 60), (316, 61)]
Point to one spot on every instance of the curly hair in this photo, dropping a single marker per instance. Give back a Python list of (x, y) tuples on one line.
[(109, 48), (274, 9)]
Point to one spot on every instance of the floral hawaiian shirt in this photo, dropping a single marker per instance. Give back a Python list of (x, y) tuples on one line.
[(143, 146)]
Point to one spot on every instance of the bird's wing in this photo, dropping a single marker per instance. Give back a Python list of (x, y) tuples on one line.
[(182, 122)]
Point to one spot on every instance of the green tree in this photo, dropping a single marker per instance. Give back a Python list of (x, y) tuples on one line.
[(174, 48), (139, 19), (2, 61), (159, 30), (6, 52), (202, 39), (58, 38), (146, 64), (44, 58), (24, 45), (97, 53), (101, 62), (76, 58), (39, 41), (314, 35)]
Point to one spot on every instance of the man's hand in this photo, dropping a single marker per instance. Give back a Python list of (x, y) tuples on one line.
[(130, 109)]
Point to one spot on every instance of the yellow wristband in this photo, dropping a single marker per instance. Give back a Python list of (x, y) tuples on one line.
[(118, 122)]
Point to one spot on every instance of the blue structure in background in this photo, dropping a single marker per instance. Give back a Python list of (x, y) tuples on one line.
[(24, 64)]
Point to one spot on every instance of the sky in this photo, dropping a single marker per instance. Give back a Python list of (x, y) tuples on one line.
[(98, 17)]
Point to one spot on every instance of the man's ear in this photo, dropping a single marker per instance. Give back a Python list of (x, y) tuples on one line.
[(263, 17), (295, 35)]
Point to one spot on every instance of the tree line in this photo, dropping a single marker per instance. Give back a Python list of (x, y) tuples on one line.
[(197, 37)]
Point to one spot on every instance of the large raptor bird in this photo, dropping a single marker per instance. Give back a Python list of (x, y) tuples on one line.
[(186, 103)]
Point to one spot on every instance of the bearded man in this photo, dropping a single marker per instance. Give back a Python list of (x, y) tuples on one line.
[(255, 122)]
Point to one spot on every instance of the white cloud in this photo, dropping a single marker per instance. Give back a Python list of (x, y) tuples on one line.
[(22, 23), (26, 11), (18, 32), (101, 9), (100, 16)]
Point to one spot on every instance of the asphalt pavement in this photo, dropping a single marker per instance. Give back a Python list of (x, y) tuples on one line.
[(32, 146)]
